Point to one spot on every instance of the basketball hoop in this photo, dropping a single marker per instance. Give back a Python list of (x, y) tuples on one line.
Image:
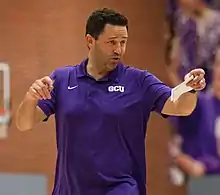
[(4, 123), (5, 115)]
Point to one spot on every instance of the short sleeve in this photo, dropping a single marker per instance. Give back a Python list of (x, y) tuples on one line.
[(48, 106), (156, 92)]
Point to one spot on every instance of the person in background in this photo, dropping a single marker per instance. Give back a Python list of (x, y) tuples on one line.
[(195, 144), (194, 37)]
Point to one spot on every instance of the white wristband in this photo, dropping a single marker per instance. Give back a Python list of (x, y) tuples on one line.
[(180, 89)]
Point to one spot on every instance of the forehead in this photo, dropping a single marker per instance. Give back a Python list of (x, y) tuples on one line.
[(114, 31)]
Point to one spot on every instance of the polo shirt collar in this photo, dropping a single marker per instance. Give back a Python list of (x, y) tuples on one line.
[(115, 75)]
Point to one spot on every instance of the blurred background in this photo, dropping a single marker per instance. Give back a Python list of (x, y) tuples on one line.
[(167, 37)]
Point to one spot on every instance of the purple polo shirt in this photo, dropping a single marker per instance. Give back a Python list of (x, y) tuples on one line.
[(100, 128), (198, 132)]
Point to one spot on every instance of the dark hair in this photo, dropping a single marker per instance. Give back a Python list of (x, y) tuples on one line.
[(99, 18)]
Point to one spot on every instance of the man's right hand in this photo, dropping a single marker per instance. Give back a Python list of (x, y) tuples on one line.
[(40, 89)]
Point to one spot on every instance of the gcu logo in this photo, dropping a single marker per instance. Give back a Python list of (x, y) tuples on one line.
[(116, 88)]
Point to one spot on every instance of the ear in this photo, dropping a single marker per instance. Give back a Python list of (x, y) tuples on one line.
[(89, 41)]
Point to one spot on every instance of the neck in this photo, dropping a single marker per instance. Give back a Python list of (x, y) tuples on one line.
[(95, 69)]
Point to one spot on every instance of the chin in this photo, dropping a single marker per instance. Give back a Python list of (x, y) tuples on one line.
[(111, 66)]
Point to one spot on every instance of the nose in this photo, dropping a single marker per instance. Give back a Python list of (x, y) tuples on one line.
[(117, 49)]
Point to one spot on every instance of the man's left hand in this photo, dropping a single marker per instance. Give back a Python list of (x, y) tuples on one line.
[(198, 83)]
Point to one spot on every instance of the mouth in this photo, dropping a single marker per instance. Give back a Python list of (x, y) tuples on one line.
[(116, 58)]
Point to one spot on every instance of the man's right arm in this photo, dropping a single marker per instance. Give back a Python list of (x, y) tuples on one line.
[(29, 113)]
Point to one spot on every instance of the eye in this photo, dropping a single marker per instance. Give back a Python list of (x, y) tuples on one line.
[(112, 42), (123, 42)]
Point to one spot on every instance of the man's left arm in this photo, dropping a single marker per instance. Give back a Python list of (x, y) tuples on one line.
[(187, 102)]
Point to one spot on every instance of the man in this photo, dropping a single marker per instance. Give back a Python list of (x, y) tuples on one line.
[(196, 36), (198, 153), (101, 108)]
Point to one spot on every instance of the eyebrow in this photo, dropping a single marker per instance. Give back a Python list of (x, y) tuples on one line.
[(113, 37)]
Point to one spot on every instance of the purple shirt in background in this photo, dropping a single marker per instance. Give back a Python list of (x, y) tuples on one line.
[(101, 127), (196, 51), (198, 132)]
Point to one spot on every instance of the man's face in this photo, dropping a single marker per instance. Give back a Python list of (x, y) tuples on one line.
[(110, 46)]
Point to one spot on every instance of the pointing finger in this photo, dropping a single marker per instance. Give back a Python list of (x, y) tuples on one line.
[(198, 71)]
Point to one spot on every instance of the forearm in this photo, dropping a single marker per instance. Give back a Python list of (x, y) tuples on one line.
[(26, 114), (184, 106)]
